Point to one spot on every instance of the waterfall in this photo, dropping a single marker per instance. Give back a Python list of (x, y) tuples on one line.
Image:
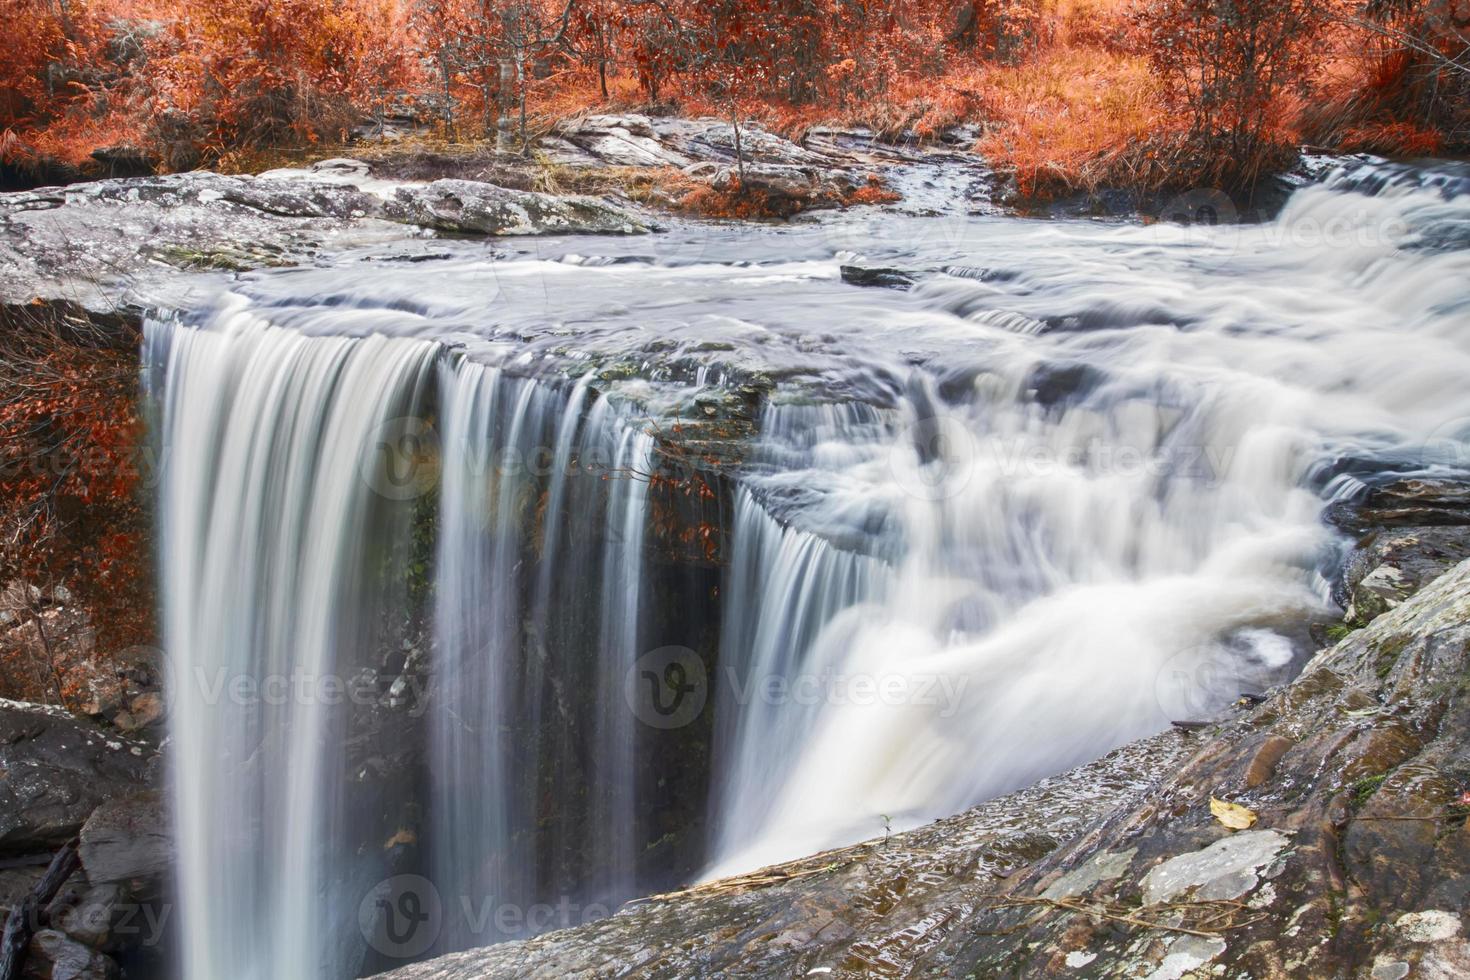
[(279, 558), (941, 542), (538, 579), (299, 469)]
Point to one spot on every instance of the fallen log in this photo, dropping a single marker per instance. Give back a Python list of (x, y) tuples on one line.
[(21, 923)]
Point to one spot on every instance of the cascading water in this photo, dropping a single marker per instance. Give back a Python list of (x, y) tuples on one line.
[(278, 560), (1065, 490)]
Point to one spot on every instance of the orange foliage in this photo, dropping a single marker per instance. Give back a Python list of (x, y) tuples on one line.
[(73, 479), (1072, 94)]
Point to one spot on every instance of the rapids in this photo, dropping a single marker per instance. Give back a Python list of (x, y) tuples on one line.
[(1066, 489)]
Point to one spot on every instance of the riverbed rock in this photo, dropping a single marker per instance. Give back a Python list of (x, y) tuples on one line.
[(55, 770), (472, 207), (97, 244), (1358, 864), (1408, 533)]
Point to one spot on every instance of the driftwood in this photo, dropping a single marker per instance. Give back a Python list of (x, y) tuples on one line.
[(23, 918)]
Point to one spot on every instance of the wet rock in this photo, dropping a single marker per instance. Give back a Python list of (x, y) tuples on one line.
[(55, 770), (1390, 564), (1263, 764), (787, 188), (142, 711), (1408, 504), (1226, 869), (473, 207), (106, 244), (881, 277)]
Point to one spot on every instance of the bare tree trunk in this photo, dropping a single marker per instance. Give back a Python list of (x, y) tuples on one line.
[(739, 151), (20, 925), (521, 91), (49, 652), (503, 104)]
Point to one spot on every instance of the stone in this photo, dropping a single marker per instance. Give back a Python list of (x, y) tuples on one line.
[(52, 955), (1226, 869), (1263, 763), (111, 244), (126, 841), (1106, 866), (882, 277), (480, 208), (143, 711), (55, 770)]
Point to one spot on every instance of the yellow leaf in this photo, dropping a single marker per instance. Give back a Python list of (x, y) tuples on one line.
[(1232, 815)]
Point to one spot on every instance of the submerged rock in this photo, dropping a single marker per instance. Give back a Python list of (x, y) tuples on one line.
[(885, 278)]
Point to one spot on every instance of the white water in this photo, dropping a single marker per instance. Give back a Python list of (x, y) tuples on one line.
[(1067, 489), (269, 536)]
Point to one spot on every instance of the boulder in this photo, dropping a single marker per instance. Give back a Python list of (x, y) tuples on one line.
[(126, 841), (52, 955), (880, 277), (55, 770)]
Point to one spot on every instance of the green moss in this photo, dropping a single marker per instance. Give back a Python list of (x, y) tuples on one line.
[(1389, 651), (1363, 789)]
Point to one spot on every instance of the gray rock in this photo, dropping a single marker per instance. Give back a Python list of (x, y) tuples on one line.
[(53, 955), (126, 841), (1226, 869), (55, 770), (474, 207), (105, 244)]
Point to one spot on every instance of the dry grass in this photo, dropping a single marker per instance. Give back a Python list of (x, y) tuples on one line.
[(1075, 119)]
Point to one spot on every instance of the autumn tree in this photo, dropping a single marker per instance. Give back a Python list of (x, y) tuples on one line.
[(267, 72), (1407, 89), (74, 478), (1228, 62)]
